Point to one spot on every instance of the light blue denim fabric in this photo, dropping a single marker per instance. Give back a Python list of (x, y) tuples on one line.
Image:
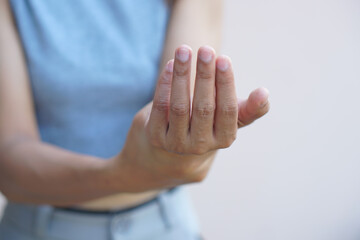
[(92, 65), (170, 217)]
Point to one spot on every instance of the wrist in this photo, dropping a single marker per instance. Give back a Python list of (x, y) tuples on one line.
[(115, 174), (129, 176)]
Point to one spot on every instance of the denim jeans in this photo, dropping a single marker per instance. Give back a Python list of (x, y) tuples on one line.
[(169, 216)]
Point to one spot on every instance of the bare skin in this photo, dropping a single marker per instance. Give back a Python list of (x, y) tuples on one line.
[(195, 23), (180, 141), (168, 144)]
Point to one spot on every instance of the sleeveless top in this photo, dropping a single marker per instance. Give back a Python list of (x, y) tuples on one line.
[(92, 65)]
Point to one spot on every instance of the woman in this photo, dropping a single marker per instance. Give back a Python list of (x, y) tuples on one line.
[(84, 151)]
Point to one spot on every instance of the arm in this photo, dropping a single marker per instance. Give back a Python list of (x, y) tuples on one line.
[(32, 171), (179, 142), (195, 23), (36, 172)]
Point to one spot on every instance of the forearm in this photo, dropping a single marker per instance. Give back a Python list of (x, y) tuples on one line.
[(36, 172), (32, 171), (195, 23)]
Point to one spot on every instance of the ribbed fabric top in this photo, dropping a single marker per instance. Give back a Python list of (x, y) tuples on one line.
[(92, 64)]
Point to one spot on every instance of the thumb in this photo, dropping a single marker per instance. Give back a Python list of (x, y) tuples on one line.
[(254, 107)]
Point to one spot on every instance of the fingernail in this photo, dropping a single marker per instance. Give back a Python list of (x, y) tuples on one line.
[(265, 92), (183, 54), (170, 66), (206, 54), (263, 104), (223, 63)]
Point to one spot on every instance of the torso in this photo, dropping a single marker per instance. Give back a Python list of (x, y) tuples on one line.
[(92, 66)]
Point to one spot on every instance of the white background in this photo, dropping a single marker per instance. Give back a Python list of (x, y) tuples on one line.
[(293, 175)]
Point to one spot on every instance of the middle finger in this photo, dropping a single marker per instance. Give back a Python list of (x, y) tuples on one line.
[(202, 118)]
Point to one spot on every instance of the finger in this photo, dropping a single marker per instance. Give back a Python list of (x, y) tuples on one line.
[(158, 121), (226, 103), (254, 107), (180, 97), (203, 110)]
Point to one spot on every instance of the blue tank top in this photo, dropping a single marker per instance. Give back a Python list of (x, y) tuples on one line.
[(92, 65)]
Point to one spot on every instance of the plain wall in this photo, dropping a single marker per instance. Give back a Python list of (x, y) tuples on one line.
[(294, 174)]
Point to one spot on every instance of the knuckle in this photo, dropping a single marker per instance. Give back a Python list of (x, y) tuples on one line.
[(200, 146), (229, 110), (165, 79), (155, 141), (177, 147), (179, 109), (226, 78), (153, 137), (161, 105), (204, 109), (181, 71), (199, 151), (204, 75)]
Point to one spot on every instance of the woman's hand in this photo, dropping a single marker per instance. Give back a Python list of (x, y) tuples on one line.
[(171, 142)]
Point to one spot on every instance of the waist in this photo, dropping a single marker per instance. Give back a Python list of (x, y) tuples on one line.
[(169, 213), (117, 201)]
